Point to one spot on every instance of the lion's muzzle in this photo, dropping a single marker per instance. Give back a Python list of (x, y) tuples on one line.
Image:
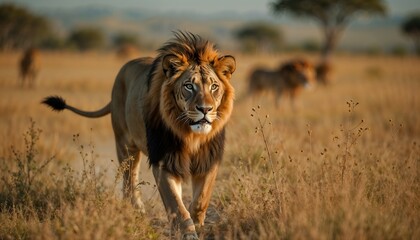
[(202, 126), (202, 120)]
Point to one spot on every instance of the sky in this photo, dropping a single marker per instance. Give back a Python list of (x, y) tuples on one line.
[(198, 6), (396, 7)]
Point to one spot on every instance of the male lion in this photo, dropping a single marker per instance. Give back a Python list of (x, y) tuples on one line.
[(173, 109), (289, 78), (29, 66)]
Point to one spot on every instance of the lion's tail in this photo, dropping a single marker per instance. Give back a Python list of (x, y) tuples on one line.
[(57, 103)]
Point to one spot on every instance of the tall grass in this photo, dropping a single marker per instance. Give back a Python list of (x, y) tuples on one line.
[(62, 203), (349, 188)]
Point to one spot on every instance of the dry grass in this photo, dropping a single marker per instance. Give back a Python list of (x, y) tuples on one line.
[(345, 165)]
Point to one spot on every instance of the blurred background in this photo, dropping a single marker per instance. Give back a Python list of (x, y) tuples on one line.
[(369, 28)]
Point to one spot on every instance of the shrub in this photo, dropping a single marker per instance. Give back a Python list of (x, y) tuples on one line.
[(62, 204)]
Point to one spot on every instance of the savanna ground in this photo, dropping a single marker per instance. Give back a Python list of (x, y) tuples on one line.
[(344, 165)]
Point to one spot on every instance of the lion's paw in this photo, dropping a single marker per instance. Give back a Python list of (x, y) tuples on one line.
[(138, 205)]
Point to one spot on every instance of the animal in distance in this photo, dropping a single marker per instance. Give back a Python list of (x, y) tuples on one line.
[(173, 109), (289, 78), (29, 66)]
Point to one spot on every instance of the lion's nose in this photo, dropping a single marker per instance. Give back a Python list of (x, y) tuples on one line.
[(204, 109)]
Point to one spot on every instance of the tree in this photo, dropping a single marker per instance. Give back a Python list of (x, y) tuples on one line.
[(259, 36), (87, 38), (126, 38), (19, 28), (411, 27), (332, 15), (127, 45)]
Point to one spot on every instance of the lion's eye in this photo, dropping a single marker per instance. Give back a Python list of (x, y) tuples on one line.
[(214, 87), (189, 86)]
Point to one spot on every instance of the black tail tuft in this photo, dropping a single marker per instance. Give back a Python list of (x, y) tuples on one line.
[(57, 103)]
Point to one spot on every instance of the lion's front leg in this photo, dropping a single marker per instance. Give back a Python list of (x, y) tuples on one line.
[(202, 190), (170, 189)]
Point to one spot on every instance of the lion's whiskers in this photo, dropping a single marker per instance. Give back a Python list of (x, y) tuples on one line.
[(180, 117), (183, 118)]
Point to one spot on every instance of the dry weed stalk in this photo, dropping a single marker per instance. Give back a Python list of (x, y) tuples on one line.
[(261, 129), (350, 136)]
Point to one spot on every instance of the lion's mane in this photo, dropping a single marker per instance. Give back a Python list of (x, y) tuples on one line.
[(169, 140)]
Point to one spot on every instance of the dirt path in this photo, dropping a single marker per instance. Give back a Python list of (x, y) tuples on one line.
[(107, 159)]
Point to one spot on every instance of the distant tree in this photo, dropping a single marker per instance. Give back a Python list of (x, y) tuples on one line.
[(20, 29), (411, 27), (398, 50), (126, 38), (87, 38), (310, 45), (52, 42), (127, 45), (332, 15), (259, 36)]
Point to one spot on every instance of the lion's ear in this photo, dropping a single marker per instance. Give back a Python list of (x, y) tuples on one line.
[(170, 65), (226, 65)]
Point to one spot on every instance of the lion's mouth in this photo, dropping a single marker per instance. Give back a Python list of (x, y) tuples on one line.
[(201, 122), (202, 126)]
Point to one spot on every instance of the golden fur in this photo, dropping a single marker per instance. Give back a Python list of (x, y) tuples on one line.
[(289, 78), (173, 109), (29, 66)]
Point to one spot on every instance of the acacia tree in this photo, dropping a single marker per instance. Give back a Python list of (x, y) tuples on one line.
[(259, 36), (332, 15), (411, 27), (19, 28)]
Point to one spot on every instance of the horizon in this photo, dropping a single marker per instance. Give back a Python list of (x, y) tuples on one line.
[(395, 7), (377, 32)]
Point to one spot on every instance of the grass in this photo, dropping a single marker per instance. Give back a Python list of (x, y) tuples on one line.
[(64, 203), (345, 165), (350, 188)]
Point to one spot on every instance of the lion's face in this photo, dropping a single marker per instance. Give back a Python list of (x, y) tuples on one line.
[(198, 91), (303, 74), (198, 94)]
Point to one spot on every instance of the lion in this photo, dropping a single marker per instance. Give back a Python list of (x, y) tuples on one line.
[(289, 78), (29, 66), (173, 109)]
